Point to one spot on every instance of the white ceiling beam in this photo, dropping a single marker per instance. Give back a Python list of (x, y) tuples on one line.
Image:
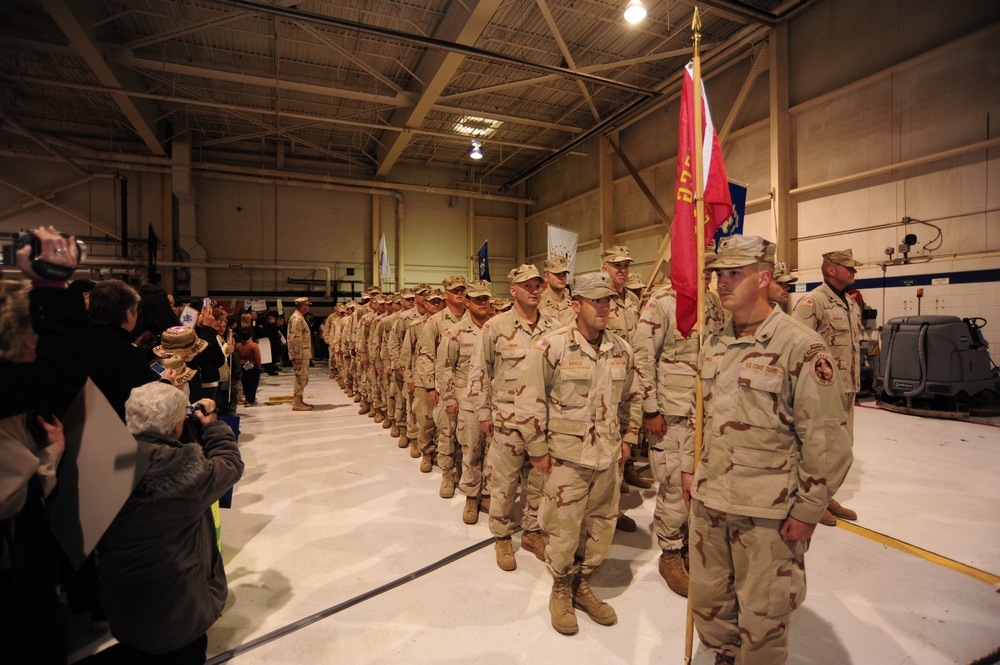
[(567, 56), (463, 24), (140, 114)]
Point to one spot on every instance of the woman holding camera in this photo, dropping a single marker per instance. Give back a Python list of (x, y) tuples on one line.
[(162, 581)]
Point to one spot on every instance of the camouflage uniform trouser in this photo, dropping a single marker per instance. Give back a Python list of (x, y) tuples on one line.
[(301, 370), (387, 396), (374, 388), (446, 424), (399, 403), (423, 421), (332, 361), (577, 500), (670, 514), (473, 442), (745, 582), (409, 402), (508, 462), (360, 379)]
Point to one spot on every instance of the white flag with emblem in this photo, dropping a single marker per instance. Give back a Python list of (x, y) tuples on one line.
[(563, 243)]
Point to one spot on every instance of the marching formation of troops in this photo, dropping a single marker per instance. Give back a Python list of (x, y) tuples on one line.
[(546, 394)]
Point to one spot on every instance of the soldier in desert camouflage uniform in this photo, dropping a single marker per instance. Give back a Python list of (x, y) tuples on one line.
[(623, 320), (665, 366), (422, 409), (776, 448), (494, 379), (454, 358), (366, 356), (392, 344), (413, 308), (836, 316), (556, 300), (780, 286), (392, 308), (300, 351), (575, 382), (360, 371), (438, 434)]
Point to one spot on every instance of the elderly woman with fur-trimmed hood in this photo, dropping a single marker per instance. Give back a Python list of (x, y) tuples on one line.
[(162, 582)]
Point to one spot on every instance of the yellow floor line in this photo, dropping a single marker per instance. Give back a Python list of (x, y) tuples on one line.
[(927, 555)]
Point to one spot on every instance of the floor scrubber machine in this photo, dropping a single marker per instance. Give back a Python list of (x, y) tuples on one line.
[(936, 366)]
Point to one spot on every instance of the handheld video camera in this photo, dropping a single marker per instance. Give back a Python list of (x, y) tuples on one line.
[(42, 268)]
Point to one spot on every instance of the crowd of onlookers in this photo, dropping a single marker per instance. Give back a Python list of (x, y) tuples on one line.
[(156, 576)]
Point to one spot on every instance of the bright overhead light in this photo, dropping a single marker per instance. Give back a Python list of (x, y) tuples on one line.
[(635, 12), (477, 127), (476, 152)]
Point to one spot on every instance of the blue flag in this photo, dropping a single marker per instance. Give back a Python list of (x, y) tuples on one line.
[(733, 225), (483, 261)]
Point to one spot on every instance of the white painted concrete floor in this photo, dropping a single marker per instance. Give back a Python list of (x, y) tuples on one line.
[(329, 509)]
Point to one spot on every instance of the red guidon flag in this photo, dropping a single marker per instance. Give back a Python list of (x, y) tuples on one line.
[(718, 205)]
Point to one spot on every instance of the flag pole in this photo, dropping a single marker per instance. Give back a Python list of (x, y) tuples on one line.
[(699, 216)]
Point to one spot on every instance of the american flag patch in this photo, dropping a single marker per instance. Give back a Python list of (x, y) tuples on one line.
[(486, 326), (448, 333), (651, 306), (542, 344)]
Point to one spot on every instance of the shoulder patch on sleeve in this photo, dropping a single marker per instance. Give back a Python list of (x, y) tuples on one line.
[(821, 369), (486, 326), (448, 333), (806, 302), (651, 306), (542, 344)]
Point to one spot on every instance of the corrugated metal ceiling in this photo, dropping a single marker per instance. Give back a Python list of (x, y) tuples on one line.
[(325, 79)]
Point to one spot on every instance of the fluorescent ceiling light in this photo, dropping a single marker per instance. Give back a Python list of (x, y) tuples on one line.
[(471, 125)]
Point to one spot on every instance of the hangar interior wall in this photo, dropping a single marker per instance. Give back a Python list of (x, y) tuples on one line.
[(925, 81)]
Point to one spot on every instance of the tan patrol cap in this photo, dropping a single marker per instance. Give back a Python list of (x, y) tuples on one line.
[(301, 301), (435, 294), (616, 254), (502, 304), (365, 297), (407, 292), (556, 265), (373, 289), (478, 288), (523, 273), (453, 282), (593, 285), (422, 289), (379, 298), (350, 304), (633, 282), (843, 257), (737, 251), (781, 275)]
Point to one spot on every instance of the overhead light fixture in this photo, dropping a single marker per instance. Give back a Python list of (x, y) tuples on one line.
[(635, 11), (477, 127), (476, 152)]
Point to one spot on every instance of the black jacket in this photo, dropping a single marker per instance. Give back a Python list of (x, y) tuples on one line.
[(162, 581), (115, 365), (52, 381)]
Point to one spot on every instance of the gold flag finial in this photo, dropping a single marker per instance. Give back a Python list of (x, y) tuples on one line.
[(696, 29)]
